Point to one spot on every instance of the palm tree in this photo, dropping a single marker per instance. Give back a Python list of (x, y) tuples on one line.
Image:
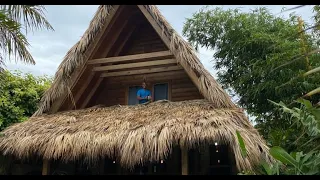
[(13, 18)]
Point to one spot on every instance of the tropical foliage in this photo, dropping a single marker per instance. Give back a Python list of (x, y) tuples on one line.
[(266, 59), (19, 96)]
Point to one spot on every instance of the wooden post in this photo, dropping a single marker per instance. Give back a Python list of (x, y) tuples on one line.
[(46, 167), (232, 162), (204, 160), (184, 161), (102, 166)]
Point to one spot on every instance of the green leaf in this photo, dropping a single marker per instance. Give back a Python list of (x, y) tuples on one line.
[(305, 102), (267, 168), (281, 155), (242, 145), (307, 156)]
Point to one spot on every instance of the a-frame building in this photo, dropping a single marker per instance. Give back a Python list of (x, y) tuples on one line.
[(89, 114)]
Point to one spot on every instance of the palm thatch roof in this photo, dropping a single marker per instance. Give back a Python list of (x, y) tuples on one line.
[(133, 134), (182, 50)]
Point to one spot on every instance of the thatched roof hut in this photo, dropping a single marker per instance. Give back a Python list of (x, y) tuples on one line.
[(66, 128)]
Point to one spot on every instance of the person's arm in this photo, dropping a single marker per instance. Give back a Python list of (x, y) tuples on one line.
[(151, 99), (139, 96)]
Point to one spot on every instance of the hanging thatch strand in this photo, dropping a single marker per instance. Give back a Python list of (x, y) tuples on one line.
[(140, 132)]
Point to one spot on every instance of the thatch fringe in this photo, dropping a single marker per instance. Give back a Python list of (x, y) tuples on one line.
[(184, 53), (137, 133)]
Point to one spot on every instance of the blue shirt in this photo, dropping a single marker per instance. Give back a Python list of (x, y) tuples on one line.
[(143, 93)]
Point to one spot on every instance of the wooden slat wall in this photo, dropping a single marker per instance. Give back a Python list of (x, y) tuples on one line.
[(184, 89), (114, 94), (144, 40)]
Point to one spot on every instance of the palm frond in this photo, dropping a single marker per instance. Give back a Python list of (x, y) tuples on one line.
[(12, 41), (30, 15)]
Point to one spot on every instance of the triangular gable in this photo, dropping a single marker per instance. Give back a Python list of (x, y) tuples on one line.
[(89, 62)]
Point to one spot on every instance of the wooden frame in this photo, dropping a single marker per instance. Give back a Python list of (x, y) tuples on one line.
[(135, 65), (130, 57), (142, 71), (151, 90), (162, 82), (172, 74), (127, 88)]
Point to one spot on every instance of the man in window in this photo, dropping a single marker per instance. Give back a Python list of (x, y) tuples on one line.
[(143, 95)]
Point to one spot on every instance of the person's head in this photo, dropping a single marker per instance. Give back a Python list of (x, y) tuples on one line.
[(144, 85)]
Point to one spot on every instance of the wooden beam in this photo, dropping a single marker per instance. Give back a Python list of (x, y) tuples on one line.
[(205, 164), (46, 167), (107, 50), (184, 160), (125, 40), (130, 57), (102, 166), (93, 90), (113, 40), (83, 88), (161, 75), (135, 65), (77, 74), (142, 71)]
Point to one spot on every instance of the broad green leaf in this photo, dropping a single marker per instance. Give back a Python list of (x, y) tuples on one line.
[(305, 102), (242, 145), (281, 155), (267, 168)]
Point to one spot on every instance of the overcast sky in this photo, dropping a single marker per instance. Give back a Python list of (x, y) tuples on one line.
[(70, 21)]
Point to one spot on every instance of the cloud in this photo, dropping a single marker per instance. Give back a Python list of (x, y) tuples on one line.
[(70, 22)]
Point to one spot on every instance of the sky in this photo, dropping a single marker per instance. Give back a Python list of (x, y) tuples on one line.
[(70, 21)]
